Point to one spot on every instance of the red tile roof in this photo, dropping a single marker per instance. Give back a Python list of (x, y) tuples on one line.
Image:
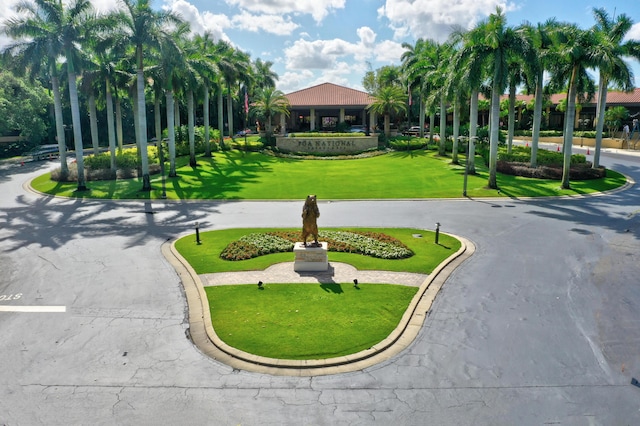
[(613, 98), (329, 95)]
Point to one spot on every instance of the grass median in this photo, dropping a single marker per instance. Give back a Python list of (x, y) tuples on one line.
[(310, 321)]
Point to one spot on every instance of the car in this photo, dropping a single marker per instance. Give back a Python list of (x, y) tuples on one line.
[(44, 152), (358, 129), (412, 131)]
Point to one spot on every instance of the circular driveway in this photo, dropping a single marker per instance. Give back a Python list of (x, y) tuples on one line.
[(541, 325)]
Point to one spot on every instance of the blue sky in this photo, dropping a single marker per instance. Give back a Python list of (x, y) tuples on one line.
[(316, 41)]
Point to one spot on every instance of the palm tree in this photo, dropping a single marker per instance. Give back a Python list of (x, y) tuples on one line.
[(414, 68), (267, 103), (516, 77), (233, 64), (468, 62), (88, 85), (264, 75), (438, 76), (388, 100), (574, 50), (209, 74), (166, 73), (494, 43), (143, 28), (191, 61), (38, 45), (540, 42), (610, 51)]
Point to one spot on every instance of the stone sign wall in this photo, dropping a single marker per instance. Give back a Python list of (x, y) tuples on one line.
[(341, 145)]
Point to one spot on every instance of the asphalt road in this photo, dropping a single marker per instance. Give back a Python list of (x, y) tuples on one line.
[(540, 326)]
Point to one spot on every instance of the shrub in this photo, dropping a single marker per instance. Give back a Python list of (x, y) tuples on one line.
[(521, 154), (100, 174), (581, 171), (407, 143), (251, 145)]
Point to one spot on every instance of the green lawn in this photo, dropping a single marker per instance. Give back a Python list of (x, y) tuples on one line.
[(306, 321), (205, 257), (250, 176)]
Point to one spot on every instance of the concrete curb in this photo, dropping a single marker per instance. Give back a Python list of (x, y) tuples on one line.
[(205, 338)]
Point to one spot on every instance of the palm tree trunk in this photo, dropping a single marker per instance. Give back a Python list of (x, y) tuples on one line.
[(119, 132), (177, 119), (157, 115), (473, 131), (57, 109), (221, 115), (205, 112), (171, 133), (432, 120), (494, 124), (602, 104), (190, 123), (93, 121), (443, 127), (142, 125), (77, 129), (512, 117), (537, 119), (456, 129), (422, 116), (230, 112), (387, 125), (110, 126), (568, 132)]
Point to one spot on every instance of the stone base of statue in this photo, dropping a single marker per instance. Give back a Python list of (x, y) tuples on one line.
[(310, 258)]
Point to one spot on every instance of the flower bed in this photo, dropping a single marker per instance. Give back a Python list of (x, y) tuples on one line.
[(367, 243)]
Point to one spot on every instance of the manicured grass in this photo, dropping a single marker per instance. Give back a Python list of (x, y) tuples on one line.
[(250, 175), (306, 321), (205, 257)]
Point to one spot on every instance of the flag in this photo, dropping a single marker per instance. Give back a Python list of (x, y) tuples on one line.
[(246, 102)]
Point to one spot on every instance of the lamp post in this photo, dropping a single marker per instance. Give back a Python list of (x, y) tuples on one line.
[(198, 233), (437, 232)]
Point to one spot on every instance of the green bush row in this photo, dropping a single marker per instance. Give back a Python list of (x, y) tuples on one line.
[(522, 154)]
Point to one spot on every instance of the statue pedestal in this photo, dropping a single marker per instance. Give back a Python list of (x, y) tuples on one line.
[(310, 258)]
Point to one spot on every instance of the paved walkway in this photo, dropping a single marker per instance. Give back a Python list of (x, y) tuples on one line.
[(337, 273)]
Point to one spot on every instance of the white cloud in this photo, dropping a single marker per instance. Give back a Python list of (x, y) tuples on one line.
[(318, 9), (634, 32), (367, 37), (292, 81), (435, 18), (318, 54), (274, 24), (200, 22), (389, 51)]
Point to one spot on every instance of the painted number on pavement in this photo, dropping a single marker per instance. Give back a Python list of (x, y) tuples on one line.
[(10, 296)]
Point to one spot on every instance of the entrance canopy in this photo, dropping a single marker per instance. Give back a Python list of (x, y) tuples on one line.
[(324, 106)]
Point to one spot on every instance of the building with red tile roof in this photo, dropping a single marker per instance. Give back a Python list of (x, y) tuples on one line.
[(324, 106)]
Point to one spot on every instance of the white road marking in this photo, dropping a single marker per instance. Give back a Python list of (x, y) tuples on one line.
[(8, 308)]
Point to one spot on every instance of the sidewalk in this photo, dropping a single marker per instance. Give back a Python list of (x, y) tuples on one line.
[(337, 273)]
